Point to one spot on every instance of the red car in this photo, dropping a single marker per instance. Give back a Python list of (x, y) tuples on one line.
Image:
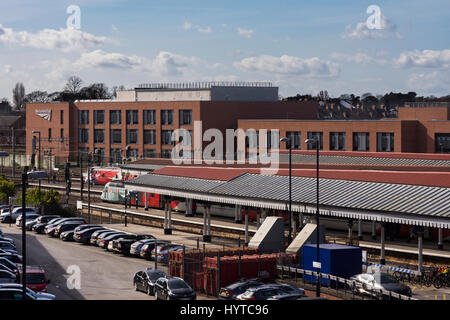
[(36, 278)]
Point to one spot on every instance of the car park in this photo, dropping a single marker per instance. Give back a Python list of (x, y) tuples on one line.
[(230, 292), (40, 227), (145, 280), (37, 295), (372, 283), (13, 257), (7, 277), (103, 242), (15, 294), (51, 228), (36, 278), (85, 226), (28, 218), (66, 235), (135, 248), (173, 288), (3, 238), (65, 226), (10, 217), (147, 247), (123, 244), (84, 236)]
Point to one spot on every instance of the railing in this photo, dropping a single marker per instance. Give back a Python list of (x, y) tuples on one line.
[(342, 284), (203, 85)]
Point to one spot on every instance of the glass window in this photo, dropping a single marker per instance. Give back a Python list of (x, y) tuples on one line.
[(83, 136), (149, 153), (166, 137), (337, 140), (116, 136), (149, 136), (166, 117), (185, 117), (316, 136), (99, 116), (83, 116), (62, 134), (385, 142), (115, 116), (149, 117), (49, 134), (166, 153), (132, 116), (295, 138), (442, 142), (116, 155), (61, 114), (83, 152), (132, 136), (99, 136), (132, 153), (360, 141)]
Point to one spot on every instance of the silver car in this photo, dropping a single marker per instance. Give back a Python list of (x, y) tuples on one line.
[(372, 283), (37, 295)]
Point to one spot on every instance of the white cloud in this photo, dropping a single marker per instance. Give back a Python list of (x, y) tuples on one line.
[(204, 30), (187, 25), (7, 69), (358, 58), (362, 32), (102, 59), (430, 83), (425, 59), (288, 65), (169, 64), (63, 39), (245, 32)]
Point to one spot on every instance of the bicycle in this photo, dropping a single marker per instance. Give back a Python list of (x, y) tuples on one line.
[(441, 279)]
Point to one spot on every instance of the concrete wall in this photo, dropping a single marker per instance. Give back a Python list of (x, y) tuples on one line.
[(173, 95), (126, 95), (244, 94)]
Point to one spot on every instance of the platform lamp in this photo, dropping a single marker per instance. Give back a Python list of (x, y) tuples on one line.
[(289, 145), (316, 143), (39, 167), (25, 176)]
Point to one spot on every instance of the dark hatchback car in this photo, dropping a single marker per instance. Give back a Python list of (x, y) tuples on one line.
[(84, 236), (230, 292), (8, 263), (66, 235), (13, 257), (145, 280), (123, 244), (66, 226), (267, 291), (40, 219), (173, 288), (40, 227), (98, 234), (104, 241)]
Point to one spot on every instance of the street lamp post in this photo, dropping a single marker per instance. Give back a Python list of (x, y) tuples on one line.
[(289, 145), (25, 176), (39, 167), (317, 145)]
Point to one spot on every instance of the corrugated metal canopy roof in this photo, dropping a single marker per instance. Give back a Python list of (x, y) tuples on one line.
[(367, 200)]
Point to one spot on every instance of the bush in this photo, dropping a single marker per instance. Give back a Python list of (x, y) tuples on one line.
[(7, 189)]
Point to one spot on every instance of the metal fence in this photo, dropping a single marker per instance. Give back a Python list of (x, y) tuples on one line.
[(341, 286)]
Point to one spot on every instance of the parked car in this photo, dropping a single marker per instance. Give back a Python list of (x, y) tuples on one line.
[(123, 244), (37, 295), (3, 238), (11, 265), (103, 242), (40, 227), (230, 292), (15, 294), (10, 217), (287, 296), (147, 247), (99, 233), (83, 236), (7, 277), (85, 226), (28, 218), (66, 235), (268, 290), (13, 257), (65, 226), (51, 228), (173, 288), (135, 248), (4, 267), (380, 280), (7, 209), (36, 278), (41, 219), (145, 280), (163, 252), (7, 251), (7, 245)]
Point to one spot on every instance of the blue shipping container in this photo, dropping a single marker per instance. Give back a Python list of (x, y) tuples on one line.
[(336, 259)]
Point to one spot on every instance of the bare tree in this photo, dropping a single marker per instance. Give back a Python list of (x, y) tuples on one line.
[(19, 96), (73, 87)]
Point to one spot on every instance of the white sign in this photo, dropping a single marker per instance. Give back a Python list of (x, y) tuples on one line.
[(79, 204), (45, 114), (317, 265), (364, 256)]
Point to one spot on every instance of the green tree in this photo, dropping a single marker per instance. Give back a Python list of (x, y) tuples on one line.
[(7, 189)]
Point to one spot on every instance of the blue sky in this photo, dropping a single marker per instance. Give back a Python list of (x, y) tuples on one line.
[(301, 46)]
